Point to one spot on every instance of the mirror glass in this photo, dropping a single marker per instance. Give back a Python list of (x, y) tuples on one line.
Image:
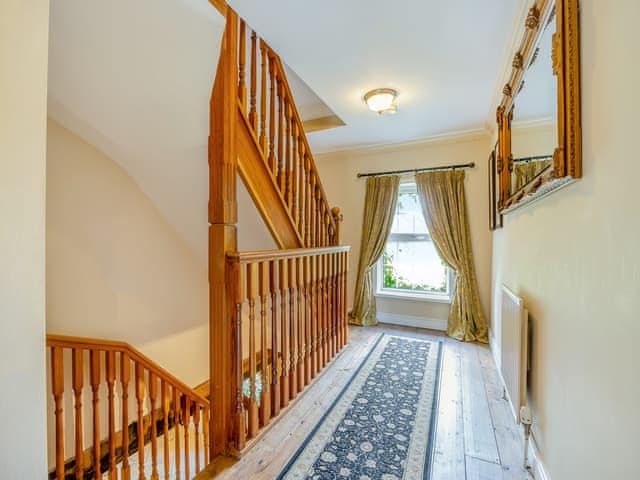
[(534, 128)]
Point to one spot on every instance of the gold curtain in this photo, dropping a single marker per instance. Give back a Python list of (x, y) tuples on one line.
[(379, 209), (525, 172), (444, 207)]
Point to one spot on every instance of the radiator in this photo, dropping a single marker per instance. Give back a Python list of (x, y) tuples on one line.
[(514, 350)]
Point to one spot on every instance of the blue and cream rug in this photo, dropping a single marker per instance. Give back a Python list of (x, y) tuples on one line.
[(382, 424)]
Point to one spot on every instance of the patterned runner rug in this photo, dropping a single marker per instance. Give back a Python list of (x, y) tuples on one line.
[(382, 424)]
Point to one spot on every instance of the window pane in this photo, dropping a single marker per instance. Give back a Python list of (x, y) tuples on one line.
[(408, 218), (414, 265)]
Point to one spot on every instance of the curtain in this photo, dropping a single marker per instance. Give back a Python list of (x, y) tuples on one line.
[(444, 207), (379, 209), (525, 172)]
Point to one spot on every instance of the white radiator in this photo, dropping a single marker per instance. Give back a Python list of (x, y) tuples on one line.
[(514, 350)]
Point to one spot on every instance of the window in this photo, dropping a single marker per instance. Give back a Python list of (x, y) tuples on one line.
[(410, 265)]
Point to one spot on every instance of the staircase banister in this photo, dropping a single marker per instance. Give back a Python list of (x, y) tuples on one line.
[(220, 5), (63, 341), (296, 115), (265, 255)]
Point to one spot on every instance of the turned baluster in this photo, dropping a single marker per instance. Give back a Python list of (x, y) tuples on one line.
[(240, 421), (307, 201), (272, 116), (318, 216), (298, 182), (339, 300), (312, 210), (253, 120), (330, 308), (110, 363), (263, 97), (345, 270), (164, 394), (327, 313), (265, 394), (275, 340), (281, 178), (252, 291), (307, 317), (196, 429), (314, 315), (94, 378), (284, 333), (57, 387), (242, 51), (176, 431), (186, 425), (153, 395), (77, 384), (205, 433), (293, 331), (320, 310), (301, 366), (139, 372), (336, 303), (125, 376), (291, 164), (284, 165)]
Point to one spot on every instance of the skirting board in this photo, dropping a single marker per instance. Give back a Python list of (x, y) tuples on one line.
[(412, 321), (537, 467)]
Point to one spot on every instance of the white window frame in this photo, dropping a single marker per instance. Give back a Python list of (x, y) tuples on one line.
[(412, 295)]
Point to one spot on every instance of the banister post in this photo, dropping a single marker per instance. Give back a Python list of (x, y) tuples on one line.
[(337, 219), (222, 237)]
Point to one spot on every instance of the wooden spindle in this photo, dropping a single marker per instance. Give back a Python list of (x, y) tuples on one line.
[(205, 432), (284, 333), (290, 161), (281, 178), (153, 396), (186, 425), (338, 289), (77, 374), (196, 429), (139, 373), (307, 316), (313, 211), (252, 293), (239, 298), (57, 387), (265, 394), (332, 303), (314, 316), (327, 333), (125, 377), (275, 340), (321, 308), (299, 188), (242, 88), (164, 394), (307, 201), (263, 97), (293, 174), (345, 270), (94, 378), (272, 116), (253, 119), (176, 432), (301, 357), (293, 331), (110, 363)]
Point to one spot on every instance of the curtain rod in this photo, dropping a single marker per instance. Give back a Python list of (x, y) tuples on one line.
[(417, 170), (533, 159)]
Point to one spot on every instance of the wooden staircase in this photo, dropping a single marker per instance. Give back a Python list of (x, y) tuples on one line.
[(277, 317)]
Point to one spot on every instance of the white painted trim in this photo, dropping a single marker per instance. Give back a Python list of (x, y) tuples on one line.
[(450, 137), (412, 321), (537, 467)]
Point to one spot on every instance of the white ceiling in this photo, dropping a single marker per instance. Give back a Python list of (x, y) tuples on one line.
[(444, 58)]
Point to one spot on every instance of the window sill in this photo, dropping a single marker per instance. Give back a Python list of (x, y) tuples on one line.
[(413, 297)]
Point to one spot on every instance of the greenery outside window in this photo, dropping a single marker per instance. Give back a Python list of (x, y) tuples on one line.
[(410, 266)]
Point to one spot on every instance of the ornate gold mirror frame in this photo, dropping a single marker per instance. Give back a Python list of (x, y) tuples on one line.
[(567, 157)]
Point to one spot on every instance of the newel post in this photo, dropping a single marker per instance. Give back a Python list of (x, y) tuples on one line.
[(222, 237), (337, 219)]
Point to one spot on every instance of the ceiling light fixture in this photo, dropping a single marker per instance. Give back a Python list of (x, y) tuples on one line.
[(382, 100)]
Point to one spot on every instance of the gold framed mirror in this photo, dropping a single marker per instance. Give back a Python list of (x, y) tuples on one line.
[(539, 131)]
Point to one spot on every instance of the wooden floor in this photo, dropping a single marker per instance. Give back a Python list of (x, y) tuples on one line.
[(476, 436)]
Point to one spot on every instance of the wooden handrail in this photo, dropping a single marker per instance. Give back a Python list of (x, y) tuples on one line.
[(84, 343), (220, 5), (265, 255)]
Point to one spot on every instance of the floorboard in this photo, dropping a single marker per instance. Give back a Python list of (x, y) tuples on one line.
[(476, 437)]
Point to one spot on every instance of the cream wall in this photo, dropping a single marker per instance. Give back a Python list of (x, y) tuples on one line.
[(338, 173), (115, 268), (575, 258), (23, 110)]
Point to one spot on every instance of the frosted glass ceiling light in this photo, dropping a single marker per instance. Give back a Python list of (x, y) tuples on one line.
[(382, 100)]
